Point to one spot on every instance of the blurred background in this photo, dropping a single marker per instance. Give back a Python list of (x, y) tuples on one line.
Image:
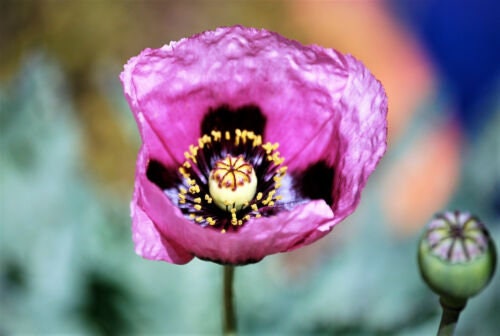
[(68, 144)]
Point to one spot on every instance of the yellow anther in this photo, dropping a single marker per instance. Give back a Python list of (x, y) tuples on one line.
[(216, 135), (244, 136), (187, 164), (206, 139), (189, 157), (223, 231), (240, 222), (254, 207), (269, 147), (197, 207), (199, 219), (233, 217), (183, 190), (197, 200), (227, 135), (211, 221), (192, 216), (193, 150), (259, 196), (269, 198), (257, 141), (208, 198), (238, 136), (183, 172), (277, 159)]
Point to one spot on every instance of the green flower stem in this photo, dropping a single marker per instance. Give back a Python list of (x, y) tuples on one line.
[(449, 319), (229, 317)]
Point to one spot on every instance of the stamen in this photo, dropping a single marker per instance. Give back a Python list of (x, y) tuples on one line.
[(257, 141), (216, 135), (238, 136), (193, 150)]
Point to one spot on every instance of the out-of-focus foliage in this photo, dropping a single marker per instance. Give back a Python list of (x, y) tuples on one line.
[(67, 150)]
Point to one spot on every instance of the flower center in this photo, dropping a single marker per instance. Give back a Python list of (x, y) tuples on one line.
[(232, 183), (228, 178)]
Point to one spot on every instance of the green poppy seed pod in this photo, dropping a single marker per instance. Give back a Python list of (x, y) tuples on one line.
[(456, 256)]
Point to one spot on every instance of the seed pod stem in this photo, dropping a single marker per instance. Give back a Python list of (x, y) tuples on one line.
[(451, 313)]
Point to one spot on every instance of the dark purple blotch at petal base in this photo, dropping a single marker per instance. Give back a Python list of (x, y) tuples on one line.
[(225, 118), (315, 182), (164, 177)]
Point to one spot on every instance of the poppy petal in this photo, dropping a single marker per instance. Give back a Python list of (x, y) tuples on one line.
[(149, 243)]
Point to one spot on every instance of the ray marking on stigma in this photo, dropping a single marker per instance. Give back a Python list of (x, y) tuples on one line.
[(229, 178)]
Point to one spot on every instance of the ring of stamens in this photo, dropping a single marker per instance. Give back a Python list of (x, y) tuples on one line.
[(229, 178)]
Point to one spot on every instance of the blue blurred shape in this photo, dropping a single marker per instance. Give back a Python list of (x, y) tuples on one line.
[(463, 37)]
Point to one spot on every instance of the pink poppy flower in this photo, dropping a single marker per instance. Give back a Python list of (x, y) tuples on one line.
[(252, 144)]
